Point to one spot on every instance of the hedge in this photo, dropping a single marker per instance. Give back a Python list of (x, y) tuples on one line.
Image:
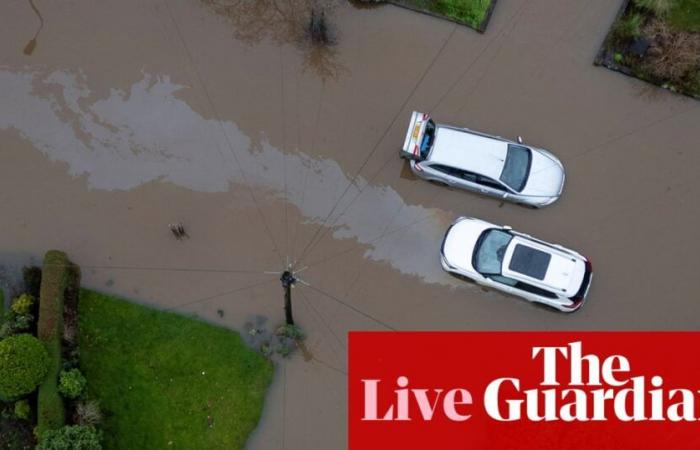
[(55, 279), (72, 437)]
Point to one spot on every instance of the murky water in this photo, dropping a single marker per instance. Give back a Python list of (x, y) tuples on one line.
[(130, 116)]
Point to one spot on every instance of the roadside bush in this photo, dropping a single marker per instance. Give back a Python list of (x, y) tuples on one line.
[(23, 410), (629, 27), (19, 317), (88, 412), (54, 280), (23, 365), (6, 328), (71, 383), (291, 332), (14, 324), (22, 305), (672, 55), (72, 437), (658, 7)]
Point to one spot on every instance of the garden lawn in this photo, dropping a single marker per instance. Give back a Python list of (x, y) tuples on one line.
[(168, 381), (471, 12)]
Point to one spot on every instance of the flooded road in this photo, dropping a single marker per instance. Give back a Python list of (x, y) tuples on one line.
[(129, 116)]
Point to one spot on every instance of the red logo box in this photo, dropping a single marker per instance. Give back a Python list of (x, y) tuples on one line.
[(524, 390)]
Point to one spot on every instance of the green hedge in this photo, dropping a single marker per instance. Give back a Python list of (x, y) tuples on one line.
[(54, 280), (73, 437)]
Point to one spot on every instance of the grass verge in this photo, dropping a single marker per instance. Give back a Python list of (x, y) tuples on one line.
[(474, 13), (168, 381)]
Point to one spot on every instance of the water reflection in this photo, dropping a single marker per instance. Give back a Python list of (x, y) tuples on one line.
[(147, 134)]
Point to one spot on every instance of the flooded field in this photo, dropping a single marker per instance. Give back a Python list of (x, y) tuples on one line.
[(118, 119)]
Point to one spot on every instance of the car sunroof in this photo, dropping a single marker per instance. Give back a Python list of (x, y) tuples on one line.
[(529, 261)]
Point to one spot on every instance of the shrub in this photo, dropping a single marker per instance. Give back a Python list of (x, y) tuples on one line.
[(672, 55), (15, 324), (88, 413), (71, 383), (71, 437), (22, 409), (23, 365), (290, 331), (22, 322), (658, 7), (22, 305), (284, 349), (18, 318), (6, 328)]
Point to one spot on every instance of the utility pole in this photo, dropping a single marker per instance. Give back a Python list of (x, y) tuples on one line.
[(288, 280)]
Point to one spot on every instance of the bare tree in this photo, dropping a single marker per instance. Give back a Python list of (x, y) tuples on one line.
[(303, 23)]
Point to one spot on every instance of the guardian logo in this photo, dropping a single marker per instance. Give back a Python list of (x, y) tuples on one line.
[(609, 390)]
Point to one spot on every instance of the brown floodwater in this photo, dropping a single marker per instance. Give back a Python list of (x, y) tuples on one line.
[(128, 116)]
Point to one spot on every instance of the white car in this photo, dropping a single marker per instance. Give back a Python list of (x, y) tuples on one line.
[(500, 258), (478, 162)]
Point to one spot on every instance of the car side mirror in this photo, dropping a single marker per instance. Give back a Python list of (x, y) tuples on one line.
[(520, 139), (504, 195)]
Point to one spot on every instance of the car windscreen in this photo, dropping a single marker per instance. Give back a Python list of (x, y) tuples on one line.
[(517, 167), (428, 140), (490, 250)]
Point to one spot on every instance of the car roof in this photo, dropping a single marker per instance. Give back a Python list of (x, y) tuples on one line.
[(469, 151), (538, 264)]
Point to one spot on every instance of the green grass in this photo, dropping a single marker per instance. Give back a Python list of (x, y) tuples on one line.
[(168, 381), (471, 12), (685, 15), (51, 413)]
